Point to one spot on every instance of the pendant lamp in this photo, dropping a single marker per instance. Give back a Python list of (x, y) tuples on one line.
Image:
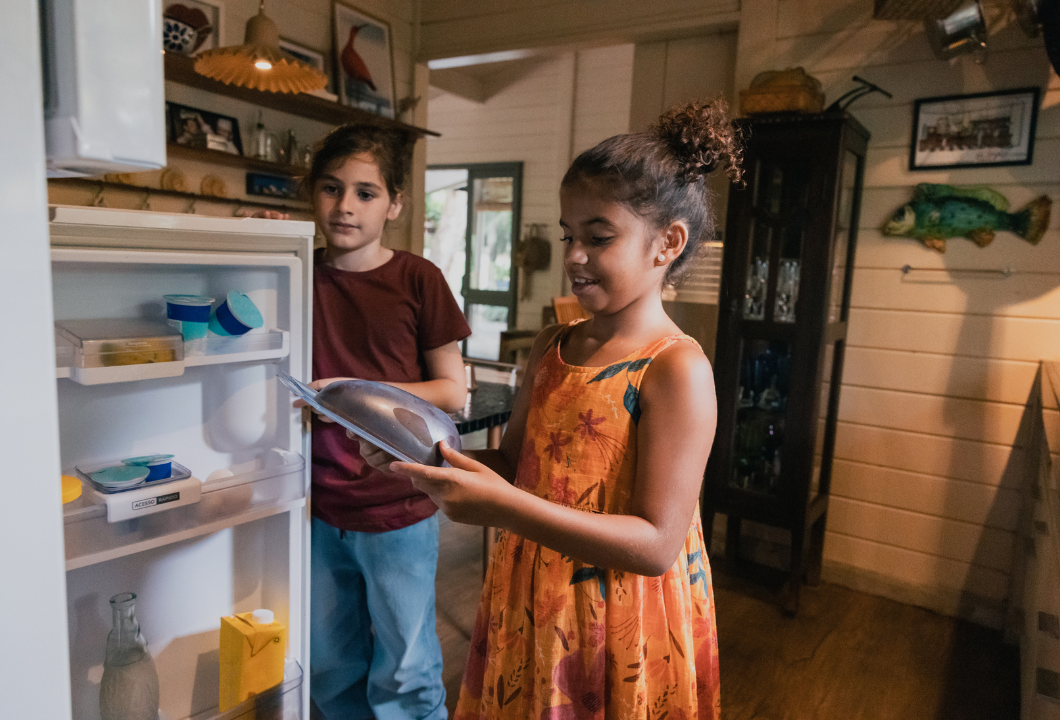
[(259, 63)]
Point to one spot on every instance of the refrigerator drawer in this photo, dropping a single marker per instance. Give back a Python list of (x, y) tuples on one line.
[(252, 347), (226, 500)]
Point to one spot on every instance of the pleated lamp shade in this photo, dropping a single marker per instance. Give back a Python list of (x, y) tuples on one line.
[(259, 63)]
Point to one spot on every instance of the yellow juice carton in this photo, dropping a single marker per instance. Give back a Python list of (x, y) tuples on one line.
[(253, 646)]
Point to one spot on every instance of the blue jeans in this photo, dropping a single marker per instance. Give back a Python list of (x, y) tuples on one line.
[(374, 650)]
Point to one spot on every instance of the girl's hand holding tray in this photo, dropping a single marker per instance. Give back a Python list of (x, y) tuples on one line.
[(395, 421)]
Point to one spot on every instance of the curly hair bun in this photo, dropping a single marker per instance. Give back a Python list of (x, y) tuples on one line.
[(701, 136)]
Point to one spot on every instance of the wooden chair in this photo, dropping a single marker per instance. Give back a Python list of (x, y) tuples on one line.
[(567, 309)]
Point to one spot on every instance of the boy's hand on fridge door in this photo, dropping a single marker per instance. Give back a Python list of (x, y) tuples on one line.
[(375, 456), (468, 492), (319, 385), (270, 215)]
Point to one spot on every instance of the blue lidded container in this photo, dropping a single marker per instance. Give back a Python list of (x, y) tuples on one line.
[(120, 477), (158, 467), (236, 315), (190, 314)]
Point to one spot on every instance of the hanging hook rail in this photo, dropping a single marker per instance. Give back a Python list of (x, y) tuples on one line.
[(1005, 271)]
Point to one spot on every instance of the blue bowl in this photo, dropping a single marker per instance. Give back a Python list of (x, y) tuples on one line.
[(237, 315)]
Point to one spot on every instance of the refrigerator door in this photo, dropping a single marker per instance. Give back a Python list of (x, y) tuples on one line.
[(242, 541), (34, 682)]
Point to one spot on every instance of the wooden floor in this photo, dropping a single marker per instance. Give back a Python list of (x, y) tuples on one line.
[(848, 655)]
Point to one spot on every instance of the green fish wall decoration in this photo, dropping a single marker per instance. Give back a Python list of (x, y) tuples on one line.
[(938, 212)]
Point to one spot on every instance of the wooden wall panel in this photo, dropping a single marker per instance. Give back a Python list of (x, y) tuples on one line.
[(973, 378), (1007, 254), (919, 571), (932, 535), (890, 166), (930, 414), (1024, 295), (930, 495), (1003, 338), (927, 454), (602, 95)]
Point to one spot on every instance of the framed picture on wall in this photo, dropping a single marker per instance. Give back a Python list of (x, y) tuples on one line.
[(364, 61), (309, 56), (982, 130), (277, 186), (206, 16), (192, 127)]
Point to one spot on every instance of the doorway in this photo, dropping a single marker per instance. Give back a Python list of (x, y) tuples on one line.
[(472, 217)]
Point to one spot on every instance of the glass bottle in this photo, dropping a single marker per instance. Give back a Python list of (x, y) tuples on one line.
[(129, 689), (260, 140)]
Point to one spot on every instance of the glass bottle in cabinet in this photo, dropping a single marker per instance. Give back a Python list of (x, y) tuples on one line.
[(785, 289)]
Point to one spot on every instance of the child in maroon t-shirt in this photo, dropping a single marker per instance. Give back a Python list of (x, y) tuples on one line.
[(383, 315)]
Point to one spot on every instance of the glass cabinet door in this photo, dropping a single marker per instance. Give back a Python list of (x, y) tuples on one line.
[(778, 211), (761, 404)]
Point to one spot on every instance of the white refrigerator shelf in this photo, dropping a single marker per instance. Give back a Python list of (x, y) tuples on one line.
[(279, 702), (252, 347), (268, 487)]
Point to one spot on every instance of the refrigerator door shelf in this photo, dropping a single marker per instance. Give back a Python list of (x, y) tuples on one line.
[(140, 502), (267, 489), (281, 701), (252, 347)]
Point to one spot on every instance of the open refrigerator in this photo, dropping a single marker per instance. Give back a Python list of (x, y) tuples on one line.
[(244, 542)]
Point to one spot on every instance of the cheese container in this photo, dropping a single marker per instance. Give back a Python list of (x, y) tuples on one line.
[(110, 343)]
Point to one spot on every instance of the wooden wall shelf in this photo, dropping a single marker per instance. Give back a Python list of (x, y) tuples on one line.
[(180, 69), (284, 204), (217, 157)]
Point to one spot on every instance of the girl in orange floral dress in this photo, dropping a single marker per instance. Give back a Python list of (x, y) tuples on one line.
[(598, 602)]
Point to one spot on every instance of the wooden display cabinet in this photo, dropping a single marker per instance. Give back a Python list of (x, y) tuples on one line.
[(782, 327)]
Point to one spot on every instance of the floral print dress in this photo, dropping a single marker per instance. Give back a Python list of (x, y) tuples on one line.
[(558, 639)]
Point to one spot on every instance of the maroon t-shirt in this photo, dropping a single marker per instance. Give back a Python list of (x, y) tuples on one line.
[(374, 325)]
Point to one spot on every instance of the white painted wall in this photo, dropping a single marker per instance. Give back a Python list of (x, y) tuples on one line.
[(542, 113), (940, 363)]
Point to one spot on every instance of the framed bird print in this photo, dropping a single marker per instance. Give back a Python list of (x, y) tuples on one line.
[(364, 61)]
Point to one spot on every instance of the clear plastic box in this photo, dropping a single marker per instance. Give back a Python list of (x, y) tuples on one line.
[(110, 343)]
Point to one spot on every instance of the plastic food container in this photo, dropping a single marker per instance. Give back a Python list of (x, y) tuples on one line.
[(108, 343), (407, 427), (119, 477), (190, 315), (114, 476), (236, 315), (71, 488), (158, 466)]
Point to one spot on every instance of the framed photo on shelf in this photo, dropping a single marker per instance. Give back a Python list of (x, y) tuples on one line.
[(364, 61), (981, 130), (206, 16), (196, 128), (275, 186), (309, 56)]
